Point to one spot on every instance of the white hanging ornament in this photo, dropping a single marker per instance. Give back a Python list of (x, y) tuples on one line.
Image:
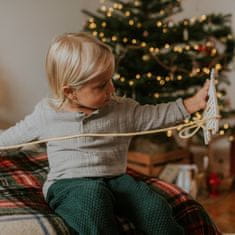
[(211, 112), (210, 120)]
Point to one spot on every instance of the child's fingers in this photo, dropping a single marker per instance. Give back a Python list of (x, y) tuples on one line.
[(203, 92), (206, 84), (204, 89)]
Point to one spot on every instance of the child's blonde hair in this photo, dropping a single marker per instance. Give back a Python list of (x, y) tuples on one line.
[(74, 59)]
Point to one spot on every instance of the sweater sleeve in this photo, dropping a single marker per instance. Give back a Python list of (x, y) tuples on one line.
[(147, 117), (24, 131)]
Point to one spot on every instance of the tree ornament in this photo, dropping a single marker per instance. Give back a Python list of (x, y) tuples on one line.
[(127, 13), (145, 33), (210, 121), (211, 112), (213, 182), (137, 3), (202, 48), (116, 76), (170, 23)]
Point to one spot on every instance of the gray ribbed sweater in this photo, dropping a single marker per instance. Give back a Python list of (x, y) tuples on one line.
[(90, 156)]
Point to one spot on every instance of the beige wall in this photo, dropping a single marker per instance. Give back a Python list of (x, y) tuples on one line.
[(27, 26)]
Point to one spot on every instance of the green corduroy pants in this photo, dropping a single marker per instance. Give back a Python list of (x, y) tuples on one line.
[(89, 205)]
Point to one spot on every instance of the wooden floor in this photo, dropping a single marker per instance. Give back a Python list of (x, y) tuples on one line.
[(222, 211)]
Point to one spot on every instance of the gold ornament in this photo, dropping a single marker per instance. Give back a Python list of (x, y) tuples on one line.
[(109, 14), (116, 76), (179, 77), (218, 66), (115, 5), (156, 95), (103, 8), (165, 30), (159, 24), (125, 40), (167, 46), (134, 41), (127, 13), (120, 6), (131, 22), (101, 34), (103, 24), (157, 50), (114, 38), (137, 3), (192, 20), (92, 25), (226, 126), (143, 44), (206, 70), (203, 18), (145, 57), (169, 133), (221, 132), (167, 78), (213, 52)]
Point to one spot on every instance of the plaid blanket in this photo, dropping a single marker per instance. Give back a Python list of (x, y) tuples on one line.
[(23, 210)]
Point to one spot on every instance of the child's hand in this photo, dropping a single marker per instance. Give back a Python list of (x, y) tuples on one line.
[(199, 100)]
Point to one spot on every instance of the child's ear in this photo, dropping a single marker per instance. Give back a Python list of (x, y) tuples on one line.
[(68, 92)]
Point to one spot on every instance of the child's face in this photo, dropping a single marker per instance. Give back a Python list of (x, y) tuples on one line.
[(95, 93)]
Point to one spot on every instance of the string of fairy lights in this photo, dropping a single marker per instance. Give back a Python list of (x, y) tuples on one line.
[(153, 52)]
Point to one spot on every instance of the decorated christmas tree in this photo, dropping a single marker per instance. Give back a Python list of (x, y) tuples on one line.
[(159, 59)]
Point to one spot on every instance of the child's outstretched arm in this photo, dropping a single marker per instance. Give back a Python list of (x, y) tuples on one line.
[(147, 117), (24, 131), (199, 100)]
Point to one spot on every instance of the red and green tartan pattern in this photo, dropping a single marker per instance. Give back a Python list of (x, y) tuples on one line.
[(23, 173)]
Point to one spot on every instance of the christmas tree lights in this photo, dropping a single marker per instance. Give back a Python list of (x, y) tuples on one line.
[(159, 59)]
